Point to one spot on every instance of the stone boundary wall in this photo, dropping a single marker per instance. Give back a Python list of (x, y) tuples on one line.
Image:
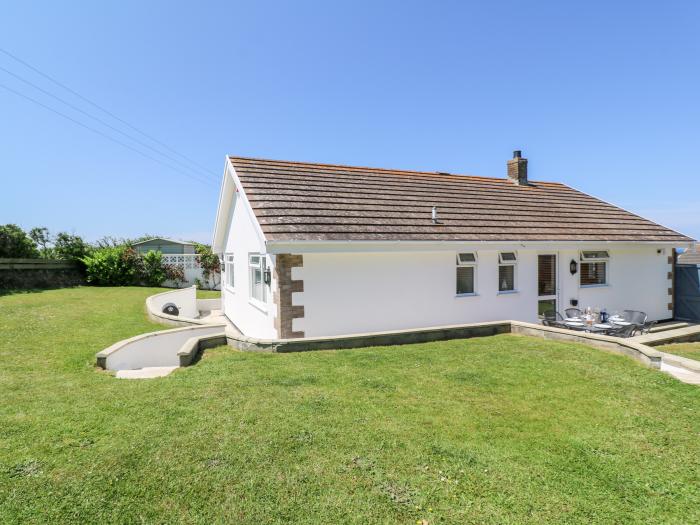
[(27, 274)]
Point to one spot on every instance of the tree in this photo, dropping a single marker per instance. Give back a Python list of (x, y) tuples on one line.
[(41, 237), (71, 247), (15, 244)]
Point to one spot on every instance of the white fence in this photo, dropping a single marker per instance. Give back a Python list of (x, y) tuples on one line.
[(193, 272)]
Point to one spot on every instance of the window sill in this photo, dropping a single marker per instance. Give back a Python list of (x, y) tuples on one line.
[(258, 304), (594, 285), (466, 295), (508, 292)]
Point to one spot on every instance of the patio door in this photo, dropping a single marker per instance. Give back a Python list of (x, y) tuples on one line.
[(546, 283)]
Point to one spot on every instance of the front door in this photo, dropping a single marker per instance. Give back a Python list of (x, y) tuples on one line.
[(546, 283)]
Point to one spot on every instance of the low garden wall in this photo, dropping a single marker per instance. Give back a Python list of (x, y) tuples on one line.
[(26, 274), (186, 301), (645, 354), (157, 348)]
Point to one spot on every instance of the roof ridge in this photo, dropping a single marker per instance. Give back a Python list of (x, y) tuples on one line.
[(444, 174)]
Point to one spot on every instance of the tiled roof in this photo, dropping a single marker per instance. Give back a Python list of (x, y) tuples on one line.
[(689, 258), (310, 202)]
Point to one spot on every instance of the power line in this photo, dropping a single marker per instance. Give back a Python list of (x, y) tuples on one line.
[(128, 146), (106, 111), (76, 108)]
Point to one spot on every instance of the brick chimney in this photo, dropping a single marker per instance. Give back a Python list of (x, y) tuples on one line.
[(517, 169)]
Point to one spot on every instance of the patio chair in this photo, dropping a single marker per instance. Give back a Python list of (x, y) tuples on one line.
[(635, 317), (647, 327), (622, 331), (573, 312), (554, 319)]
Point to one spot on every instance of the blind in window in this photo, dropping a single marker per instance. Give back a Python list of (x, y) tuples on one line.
[(592, 273), (546, 275)]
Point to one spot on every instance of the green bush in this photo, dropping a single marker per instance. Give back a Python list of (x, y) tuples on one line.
[(113, 266), (124, 266), (154, 272)]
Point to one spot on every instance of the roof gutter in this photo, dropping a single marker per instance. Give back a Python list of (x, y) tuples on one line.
[(377, 246)]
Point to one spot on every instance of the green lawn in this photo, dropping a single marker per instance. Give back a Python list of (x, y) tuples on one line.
[(208, 294), (689, 350), (504, 429)]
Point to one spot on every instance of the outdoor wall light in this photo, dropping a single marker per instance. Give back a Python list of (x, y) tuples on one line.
[(573, 267), (267, 276)]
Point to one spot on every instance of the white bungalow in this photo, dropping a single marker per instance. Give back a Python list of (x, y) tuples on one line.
[(317, 250)]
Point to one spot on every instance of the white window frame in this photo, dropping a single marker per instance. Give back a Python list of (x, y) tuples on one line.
[(588, 259), (514, 263), (463, 264), (229, 274), (260, 303)]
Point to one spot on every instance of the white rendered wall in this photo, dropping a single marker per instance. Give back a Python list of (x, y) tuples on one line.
[(155, 348), (243, 237), (363, 292), (185, 299)]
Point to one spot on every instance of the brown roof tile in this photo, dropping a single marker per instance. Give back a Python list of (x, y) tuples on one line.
[(304, 201)]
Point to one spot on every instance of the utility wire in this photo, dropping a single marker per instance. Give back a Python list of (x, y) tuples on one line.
[(107, 124), (106, 111), (124, 144)]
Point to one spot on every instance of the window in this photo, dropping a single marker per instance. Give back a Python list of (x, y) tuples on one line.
[(594, 268), (228, 270), (506, 271), (466, 270), (256, 264)]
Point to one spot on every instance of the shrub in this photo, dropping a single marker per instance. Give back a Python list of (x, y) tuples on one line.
[(209, 261), (114, 266), (16, 244), (124, 266), (174, 273), (154, 272)]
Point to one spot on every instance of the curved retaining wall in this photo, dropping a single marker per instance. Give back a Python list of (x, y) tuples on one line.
[(156, 348), (186, 301)]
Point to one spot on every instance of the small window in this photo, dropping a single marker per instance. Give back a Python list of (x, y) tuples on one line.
[(256, 265), (466, 258), (466, 273), (594, 256), (506, 271), (594, 268), (228, 270)]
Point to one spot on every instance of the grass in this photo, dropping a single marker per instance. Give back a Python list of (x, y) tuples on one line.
[(208, 294), (689, 350), (504, 429)]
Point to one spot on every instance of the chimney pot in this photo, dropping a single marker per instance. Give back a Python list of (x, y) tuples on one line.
[(517, 169)]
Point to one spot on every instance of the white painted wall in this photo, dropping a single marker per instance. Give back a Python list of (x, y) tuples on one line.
[(155, 348), (364, 292), (185, 299), (244, 237)]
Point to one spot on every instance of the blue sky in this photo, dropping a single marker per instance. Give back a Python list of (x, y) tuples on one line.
[(602, 96)]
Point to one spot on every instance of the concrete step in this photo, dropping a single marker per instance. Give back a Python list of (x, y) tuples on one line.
[(682, 374), (668, 326)]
